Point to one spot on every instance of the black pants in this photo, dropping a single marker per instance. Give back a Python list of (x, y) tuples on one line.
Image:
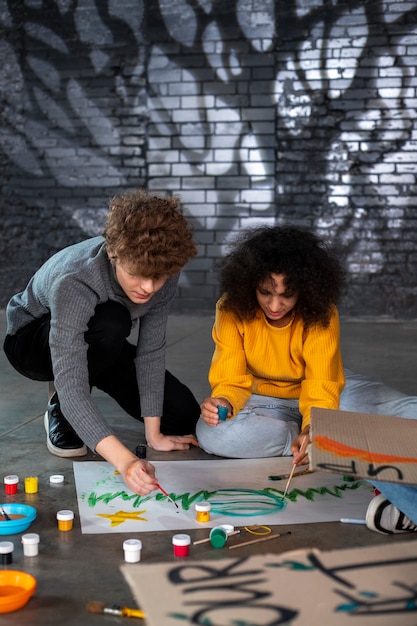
[(111, 366)]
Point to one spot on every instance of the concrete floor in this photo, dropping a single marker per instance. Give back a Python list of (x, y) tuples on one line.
[(72, 569)]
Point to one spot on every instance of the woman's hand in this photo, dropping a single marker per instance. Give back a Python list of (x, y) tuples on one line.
[(209, 410), (299, 447)]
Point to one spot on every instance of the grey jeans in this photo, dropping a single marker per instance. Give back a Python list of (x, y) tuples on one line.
[(266, 426)]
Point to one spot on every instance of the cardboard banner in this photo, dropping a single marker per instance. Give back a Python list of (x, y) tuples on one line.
[(376, 447), (365, 586)]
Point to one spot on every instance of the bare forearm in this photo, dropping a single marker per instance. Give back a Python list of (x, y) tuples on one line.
[(152, 431), (139, 475)]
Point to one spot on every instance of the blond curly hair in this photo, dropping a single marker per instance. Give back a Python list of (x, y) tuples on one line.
[(149, 234)]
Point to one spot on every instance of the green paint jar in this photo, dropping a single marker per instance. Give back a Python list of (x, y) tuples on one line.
[(218, 537)]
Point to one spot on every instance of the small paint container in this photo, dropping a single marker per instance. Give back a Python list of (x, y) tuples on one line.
[(56, 480), (30, 543), (229, 528), (11, 483), (140, 451), (218, 537), (202, 511), (181, 544), (132, 549), (222, 411), (31, 484), (65, 520), (6, 552)]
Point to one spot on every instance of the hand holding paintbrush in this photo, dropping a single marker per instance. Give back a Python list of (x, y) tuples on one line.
[(300, 455), (158, 486)]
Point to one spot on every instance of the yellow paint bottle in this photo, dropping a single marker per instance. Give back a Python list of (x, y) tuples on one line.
[(65, 520), (31, 484), (202, 511)]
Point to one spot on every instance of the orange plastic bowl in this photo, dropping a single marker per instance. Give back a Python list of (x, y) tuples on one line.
[(16, 588)]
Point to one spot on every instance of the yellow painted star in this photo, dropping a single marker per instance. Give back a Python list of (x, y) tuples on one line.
[(123, 516)]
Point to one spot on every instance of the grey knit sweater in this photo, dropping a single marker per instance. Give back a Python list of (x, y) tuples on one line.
[(70, 285)]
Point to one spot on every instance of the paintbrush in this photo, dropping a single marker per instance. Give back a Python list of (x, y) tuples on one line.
[(121, 611), (258, 540), (294, 467), (166, 494), (158, 486), (6, 517)]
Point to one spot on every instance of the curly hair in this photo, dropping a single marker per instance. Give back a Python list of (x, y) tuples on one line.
[(310, 269), (149, 234)]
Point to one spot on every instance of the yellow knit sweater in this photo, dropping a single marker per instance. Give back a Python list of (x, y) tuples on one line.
[(289, 362)]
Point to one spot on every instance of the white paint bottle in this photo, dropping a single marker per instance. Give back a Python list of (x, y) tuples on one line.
[(132, 549)]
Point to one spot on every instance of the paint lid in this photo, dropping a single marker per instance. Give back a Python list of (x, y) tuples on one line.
[(202, 506), (30, 538), (218, 537), (56, 479), (65, 515), (6, 547), (140, 451), (229, 528), (132, 545), (181, 540), (11, 479)]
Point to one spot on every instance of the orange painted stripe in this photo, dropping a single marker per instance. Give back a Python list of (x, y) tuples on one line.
[(340, 449)]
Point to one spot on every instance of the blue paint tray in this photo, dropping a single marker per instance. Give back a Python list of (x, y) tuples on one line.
[(20, 524)]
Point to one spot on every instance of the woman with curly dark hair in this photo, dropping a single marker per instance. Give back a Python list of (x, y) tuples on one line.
[(277, 350), (72, 322), (277, 354)]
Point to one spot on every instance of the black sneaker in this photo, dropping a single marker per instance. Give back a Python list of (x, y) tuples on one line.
[(61, 438), (385, 518)]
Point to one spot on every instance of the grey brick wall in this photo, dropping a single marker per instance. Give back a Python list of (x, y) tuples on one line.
[(254, 112)]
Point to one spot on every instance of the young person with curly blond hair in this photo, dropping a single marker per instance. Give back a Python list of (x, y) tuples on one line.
[(72, 322)]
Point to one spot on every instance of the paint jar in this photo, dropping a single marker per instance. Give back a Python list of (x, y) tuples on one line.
[(56, 480), (65, 520), (218, 537), (10, 484), (30, 543), (132, 549), (140, 451), (181, 544), (202, 511), (229, 528), (31, 484), (6, 552), (222, 411)]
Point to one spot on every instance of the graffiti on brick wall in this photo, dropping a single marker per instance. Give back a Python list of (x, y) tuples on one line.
[(72, 92), (311, 120), (254, 111)]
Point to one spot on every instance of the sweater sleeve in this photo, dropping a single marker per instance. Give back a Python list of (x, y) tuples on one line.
[(228, 375), (324, 377)]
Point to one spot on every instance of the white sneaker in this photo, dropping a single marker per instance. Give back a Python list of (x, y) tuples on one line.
[(383, 517)]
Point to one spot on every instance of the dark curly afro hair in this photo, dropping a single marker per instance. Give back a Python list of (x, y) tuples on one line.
[(311, 269)]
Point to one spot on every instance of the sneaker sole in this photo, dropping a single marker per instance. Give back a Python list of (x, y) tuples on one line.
[(61, 452), (371, 522)]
